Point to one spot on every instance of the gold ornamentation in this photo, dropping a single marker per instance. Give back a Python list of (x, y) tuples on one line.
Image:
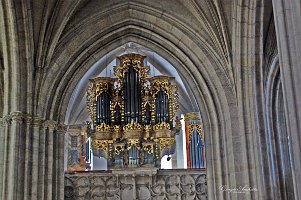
[(96, 87), (103, 128), (148, 132), (166, 142), (100, 88), (91, 103), (148, 147), (153, 113), (117, 128), (197, 127), (161, 83), (133, 142), (110, 153), (102, 144), (162, 126), (148, 128), (147, 100), (118, 148), (164, 83), (132, 126), (116, 101), (117, 132), (156, 148), (174, 101), (134, 60)]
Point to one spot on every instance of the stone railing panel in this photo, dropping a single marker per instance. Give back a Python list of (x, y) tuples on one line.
[(137, 184)]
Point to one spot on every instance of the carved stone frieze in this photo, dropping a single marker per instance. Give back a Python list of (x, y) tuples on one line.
[(137, 184)]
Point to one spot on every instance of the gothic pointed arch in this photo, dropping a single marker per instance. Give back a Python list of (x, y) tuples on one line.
[(201, 69)]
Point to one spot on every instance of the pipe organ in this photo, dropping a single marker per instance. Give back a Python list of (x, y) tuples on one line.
[(195, 143), (133, 115)]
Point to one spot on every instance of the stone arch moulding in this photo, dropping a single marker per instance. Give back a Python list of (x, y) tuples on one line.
[(76, 112), (277, 137), (70, 65)]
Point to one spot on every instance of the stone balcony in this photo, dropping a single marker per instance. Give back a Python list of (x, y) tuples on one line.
[(140, 183)]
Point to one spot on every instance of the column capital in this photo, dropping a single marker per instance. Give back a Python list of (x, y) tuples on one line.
[(28, 119), (17, 116), (50, 124), (62, 128), (37, 121), (7, 120)]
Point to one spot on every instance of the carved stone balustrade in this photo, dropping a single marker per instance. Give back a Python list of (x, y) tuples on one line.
[(140, 183)]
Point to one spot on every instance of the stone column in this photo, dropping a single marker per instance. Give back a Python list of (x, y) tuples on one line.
[(17, 154), (42, 162), (287, 17), (50, 125), (10, 170), (31, 169), (27, 157), (60, 161), (6, 128), (2, 131), (37, 122)]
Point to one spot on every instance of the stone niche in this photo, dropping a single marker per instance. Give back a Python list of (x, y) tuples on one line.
[(142, 184)]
